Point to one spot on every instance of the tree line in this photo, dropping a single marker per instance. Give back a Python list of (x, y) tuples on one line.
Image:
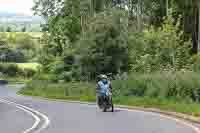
[(144, 11), (101, 36)]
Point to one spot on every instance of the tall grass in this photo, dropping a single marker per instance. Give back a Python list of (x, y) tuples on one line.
[(47, 89), (179, 85)]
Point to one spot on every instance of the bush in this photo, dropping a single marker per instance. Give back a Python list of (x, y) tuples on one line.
[(66, 76), (26, 72), (57, 67), (183, 86), (159, 49), (12, 70), (9, 55), (15, 56), (9, 69), (196, 63), (25, 42), (66, 69), (45, 59)]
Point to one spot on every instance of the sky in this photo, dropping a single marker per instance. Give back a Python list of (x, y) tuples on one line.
[(16, 6)]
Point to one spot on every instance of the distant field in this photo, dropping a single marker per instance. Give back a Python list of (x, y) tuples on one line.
[(33, 34), (33, 66)]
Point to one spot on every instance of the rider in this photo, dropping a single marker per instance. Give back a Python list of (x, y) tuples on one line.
[(104, 88)]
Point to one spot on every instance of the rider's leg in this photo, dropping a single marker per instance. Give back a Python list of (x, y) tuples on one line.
[(99, 100)]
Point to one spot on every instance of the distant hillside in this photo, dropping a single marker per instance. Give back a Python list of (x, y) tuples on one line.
[(8, 17), (7, 14), (17, 22)]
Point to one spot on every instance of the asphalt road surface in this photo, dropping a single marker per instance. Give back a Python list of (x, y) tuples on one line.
[(20, 114)]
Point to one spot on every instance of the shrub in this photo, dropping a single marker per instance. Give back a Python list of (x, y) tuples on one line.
[(179, 85), (57, 67), (66, 76), (45, 59), (7, 54), (25, 41), (26, 72), (9, 69), (159, 49), (196, 63), (12, 70), (15, 56)]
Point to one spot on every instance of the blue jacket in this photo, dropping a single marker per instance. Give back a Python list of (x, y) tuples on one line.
[(103, 88)]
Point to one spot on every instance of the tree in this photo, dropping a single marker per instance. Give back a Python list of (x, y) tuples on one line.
[(146, 12), (199, 26), (105, 49), (47, 8), (8, 29), (63, 22), (189, 10), (139, 15), (24, 29)]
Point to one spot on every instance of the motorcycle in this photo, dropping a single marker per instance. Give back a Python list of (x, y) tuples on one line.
[(105, 102)]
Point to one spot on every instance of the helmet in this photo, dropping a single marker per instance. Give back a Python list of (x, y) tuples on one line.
[(103, 76)]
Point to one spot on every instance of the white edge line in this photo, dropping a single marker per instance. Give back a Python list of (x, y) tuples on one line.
[(37, 119), (188, 124), (46, 119), (197, 130), (183, 122)]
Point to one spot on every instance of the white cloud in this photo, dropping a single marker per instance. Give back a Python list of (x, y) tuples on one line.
[(17, 6)]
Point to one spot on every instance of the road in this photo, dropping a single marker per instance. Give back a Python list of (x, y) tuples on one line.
[(20, 114)]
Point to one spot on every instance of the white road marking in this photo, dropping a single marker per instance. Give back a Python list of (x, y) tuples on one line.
[(31, 112), (183, 122), (188, 124), (37, 120), (196, 129)]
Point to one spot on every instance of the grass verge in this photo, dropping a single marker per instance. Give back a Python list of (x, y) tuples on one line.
[(16, 80), (86, 92)]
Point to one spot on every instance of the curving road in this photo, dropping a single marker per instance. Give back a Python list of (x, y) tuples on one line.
[(20, 114)]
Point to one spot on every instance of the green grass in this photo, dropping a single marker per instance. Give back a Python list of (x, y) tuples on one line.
[(145, 102), (86, 92)]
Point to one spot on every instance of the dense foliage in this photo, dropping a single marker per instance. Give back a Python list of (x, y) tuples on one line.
[(89, 37), (153, 41), (159, 49)]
